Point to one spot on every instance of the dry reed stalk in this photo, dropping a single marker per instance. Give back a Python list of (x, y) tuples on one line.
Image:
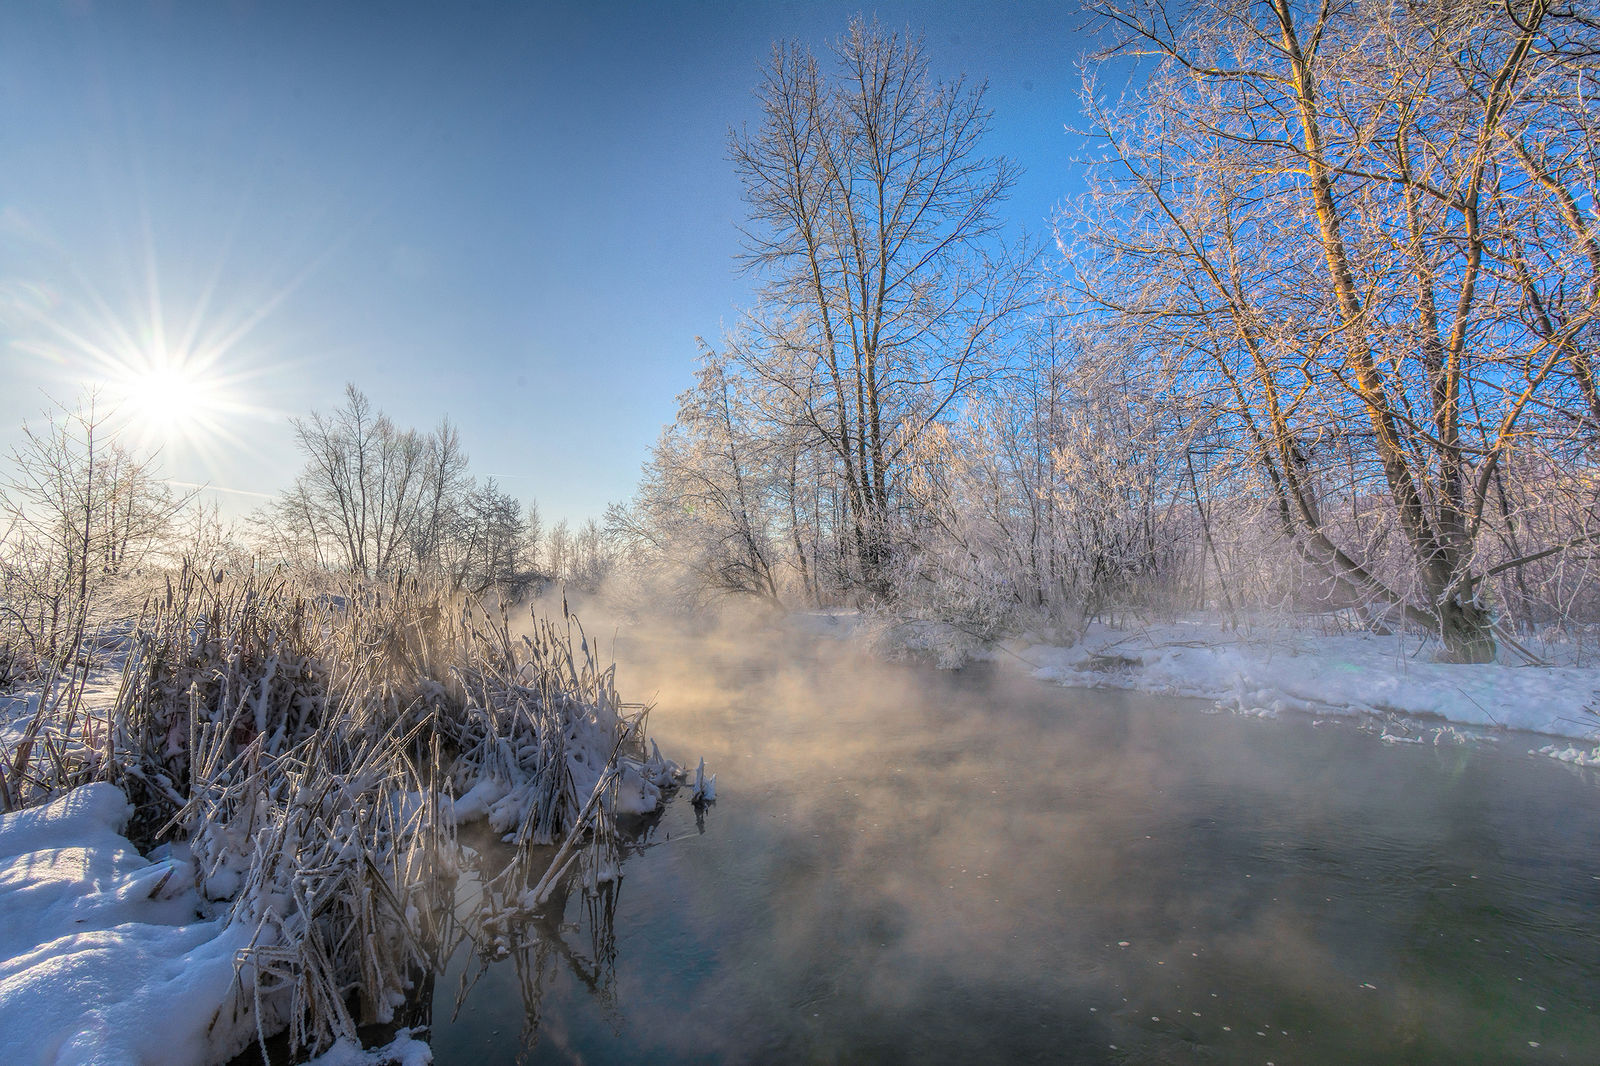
[(308, 745)]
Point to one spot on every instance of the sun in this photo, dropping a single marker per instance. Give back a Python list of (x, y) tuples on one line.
[(169, 399), (165, 400)]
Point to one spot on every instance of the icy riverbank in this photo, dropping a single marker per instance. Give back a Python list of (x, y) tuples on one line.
[(1269, 669), (1298, 670)]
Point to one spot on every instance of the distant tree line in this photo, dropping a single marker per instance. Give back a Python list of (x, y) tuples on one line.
[(376, 500), (81, 511)]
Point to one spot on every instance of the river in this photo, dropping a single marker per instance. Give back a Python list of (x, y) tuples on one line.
[(909, 865)]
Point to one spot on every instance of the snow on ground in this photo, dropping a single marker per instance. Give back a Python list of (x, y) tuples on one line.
[(108, 650), (107, 957), (404, 1051), (1274, 666), (1288, 669), (15, 710)]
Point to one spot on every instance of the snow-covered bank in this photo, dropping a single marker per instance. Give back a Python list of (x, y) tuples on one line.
[(105, 956), (1290, 669), (304, 769), (1271, 668), (109, 958)]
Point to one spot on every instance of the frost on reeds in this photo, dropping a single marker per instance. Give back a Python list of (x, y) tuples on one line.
[(316, 747)]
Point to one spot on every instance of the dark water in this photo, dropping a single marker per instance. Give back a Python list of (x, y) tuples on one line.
[(913, 866)]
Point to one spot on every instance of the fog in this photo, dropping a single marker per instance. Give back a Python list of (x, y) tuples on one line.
[(906, 863)]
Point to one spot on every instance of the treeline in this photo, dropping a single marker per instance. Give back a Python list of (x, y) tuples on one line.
[(81, 512), (1321, 335), (376, 500)]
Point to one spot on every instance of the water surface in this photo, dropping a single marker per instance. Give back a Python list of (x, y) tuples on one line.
[(907, 865)]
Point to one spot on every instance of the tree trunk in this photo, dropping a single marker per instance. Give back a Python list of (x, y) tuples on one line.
[(1467, 632)]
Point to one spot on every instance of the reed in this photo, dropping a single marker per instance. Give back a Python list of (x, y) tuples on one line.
[(314, 744)]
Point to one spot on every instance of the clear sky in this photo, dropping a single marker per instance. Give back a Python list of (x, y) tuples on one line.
[(519, 215)]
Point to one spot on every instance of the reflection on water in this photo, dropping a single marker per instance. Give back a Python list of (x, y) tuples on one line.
[(571, 937), (908, 866)]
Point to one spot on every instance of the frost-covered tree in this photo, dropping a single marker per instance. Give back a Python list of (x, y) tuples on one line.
[(561, 552), (889, 293), (76, 507), (484, 546), (1058, 496), (705, 501), (1355, 229)]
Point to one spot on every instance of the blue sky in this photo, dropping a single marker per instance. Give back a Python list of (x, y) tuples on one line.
[(517, 215)]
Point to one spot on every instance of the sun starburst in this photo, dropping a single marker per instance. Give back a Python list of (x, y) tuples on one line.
[(169, 399)]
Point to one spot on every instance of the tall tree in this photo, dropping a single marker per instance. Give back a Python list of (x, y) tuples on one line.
[(873, 219), (1353, 223)]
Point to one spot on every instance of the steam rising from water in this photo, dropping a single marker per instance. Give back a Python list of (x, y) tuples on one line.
[(908, 864)]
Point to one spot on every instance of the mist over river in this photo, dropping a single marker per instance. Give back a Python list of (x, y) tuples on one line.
[(908, 865)]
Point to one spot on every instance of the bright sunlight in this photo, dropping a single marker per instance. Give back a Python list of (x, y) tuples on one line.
[(168, 399)]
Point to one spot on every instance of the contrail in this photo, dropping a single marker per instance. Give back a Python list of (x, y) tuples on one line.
[(219, 488)]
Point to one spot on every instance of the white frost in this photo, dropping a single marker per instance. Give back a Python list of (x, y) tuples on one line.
[(405, 1050)]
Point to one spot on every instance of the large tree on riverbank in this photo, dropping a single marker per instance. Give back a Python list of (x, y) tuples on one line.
[(889, 293), (1359, 229)]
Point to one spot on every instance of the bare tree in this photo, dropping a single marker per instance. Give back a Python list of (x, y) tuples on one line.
[(706, 501), (77, 508), (873, 219), (372, 498), (1352, 227)]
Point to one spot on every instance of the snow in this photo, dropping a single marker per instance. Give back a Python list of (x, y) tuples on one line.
[(705, 788), (477, 801), (405, 1050), (1299, 670), (1576, 756), (97, 941), (1270, 667), (91, 997), (15, 710), (50, 889)]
